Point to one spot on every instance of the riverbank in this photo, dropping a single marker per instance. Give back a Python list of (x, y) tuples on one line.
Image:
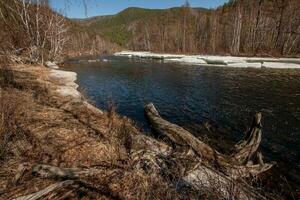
[(57, 127), (64, 146), (220, 61)]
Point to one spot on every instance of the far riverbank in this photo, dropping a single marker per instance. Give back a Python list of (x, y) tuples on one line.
[(223, 61)]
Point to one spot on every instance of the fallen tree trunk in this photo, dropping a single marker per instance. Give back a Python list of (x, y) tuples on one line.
[(238, 165), (204, 179), (180, 136)]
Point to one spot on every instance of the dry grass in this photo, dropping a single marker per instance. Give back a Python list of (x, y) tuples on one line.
[(39, 128), (120, 130), (14, 107), (13, 111)]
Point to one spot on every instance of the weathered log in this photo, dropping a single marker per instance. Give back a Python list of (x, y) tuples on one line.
[(180, 136), (236, 166), (200, 177), (48, 171), (204, 178)]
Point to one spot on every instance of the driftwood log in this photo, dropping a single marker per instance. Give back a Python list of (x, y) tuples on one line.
[(246, 162), (206, 178)]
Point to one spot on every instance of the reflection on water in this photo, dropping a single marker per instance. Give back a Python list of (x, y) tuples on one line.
[(190, 95)]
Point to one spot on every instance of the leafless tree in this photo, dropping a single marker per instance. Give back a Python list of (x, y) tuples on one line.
[(236, 41), (43, 31)]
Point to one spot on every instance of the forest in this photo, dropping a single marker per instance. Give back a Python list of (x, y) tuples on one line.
[(242, 27), (253, 28)]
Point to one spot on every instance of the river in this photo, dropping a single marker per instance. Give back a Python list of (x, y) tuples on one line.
[(191, 95)]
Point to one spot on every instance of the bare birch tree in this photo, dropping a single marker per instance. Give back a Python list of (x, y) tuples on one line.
[(43, 31)]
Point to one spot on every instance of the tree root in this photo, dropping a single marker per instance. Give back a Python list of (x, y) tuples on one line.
[(241, 164)]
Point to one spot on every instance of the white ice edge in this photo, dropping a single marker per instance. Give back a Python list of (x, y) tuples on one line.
[(225, 61), (68, 88), (51, 65), (66, 79)]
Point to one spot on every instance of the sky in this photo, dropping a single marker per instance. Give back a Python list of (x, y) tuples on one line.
[(75, 8)]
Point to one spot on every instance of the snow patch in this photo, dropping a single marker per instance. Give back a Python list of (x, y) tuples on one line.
[(222, 60), (280, 65), (187, 59), (245, 65), (207, 60), (67, 80), (64, 77), (67, 91), (51, 65)]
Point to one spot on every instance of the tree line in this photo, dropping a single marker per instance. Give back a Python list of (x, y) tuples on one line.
[(240, 27), (82, 41)]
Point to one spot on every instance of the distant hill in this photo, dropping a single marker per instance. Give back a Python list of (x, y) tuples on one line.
[(118, 28)]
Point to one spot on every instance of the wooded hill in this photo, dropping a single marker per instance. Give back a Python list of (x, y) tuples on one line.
[(252, 27), (83, 41)]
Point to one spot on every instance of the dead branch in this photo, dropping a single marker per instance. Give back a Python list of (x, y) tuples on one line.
[(48, 171), (239, 166), (247, 149), (76, 177), (46, 191), (226, 187), (180, 136)]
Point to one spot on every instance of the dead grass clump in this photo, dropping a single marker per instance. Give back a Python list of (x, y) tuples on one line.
[(120, 131), (141, 185)]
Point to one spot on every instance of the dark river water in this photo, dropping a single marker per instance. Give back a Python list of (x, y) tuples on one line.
[(192, 95)]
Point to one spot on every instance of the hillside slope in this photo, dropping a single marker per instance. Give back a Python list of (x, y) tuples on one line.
[(121, 28), (83, 40), (268, 28)]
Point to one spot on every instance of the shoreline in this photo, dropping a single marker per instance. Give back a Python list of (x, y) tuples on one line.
[(73, 136), (66, 132), (219, 61)]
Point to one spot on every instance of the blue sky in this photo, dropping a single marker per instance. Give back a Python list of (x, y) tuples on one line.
[(75, 8)]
